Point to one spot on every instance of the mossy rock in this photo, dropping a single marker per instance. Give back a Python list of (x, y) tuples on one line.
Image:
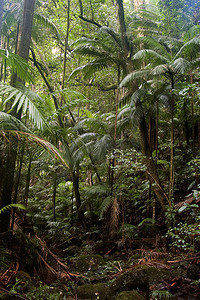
[(155, 274), (89, 291), (129, 295), (134, 279), (86, 263), (23, 277)]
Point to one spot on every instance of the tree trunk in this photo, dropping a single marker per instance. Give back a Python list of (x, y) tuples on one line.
[(1, 17), (171, 178), (23, 46), (80, 214)]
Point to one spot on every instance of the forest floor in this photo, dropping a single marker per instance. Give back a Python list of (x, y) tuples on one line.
[(95, 270)]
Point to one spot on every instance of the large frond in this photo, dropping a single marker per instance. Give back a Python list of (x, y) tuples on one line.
[(160, 70), (189, 47), (25, 100), (133, 76), (181, 65), (102, 147), (8, 122), (31, 138), (152, 43), (18, 65), (47, 23), (150, 55)]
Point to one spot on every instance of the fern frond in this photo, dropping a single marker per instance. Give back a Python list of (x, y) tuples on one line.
[(47, 23), (8, 122), (26, 100), (7, 207), (180, 65), (105, 205), (18, 65), (135, 75), (149, 55), (29, 137)]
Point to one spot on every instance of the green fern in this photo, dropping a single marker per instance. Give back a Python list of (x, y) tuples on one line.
[(25, 100), (18, 65), (7, 207)]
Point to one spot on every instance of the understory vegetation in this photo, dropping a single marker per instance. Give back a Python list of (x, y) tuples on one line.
[(99, 149)]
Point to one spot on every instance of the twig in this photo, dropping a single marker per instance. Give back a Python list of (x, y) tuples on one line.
[(179, 260)]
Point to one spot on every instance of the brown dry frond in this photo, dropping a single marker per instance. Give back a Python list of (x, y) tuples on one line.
[(114, 220)]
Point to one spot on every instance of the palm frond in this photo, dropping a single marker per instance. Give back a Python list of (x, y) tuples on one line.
[(18, 65), (105, 205), (134, 75), (149, 55), (26, 100), (47, 23), (189, 46), (96, 190), (8, 122), (192, 32), (31, 138), (7, 207), (124, 111), (88, 50), (152, 43), (160, 70), (102, 147), (181, 65)]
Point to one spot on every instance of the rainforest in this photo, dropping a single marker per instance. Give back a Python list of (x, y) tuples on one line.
[(100, 149)]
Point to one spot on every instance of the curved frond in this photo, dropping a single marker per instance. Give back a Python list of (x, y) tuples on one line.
[(18, 65), (39, 141), (105, 205), (103, 146), (8, 122), (9, 206), (152, 43), (160, 70), (148, 54), (135, 75), (189, 46), (25, 100), (47, 23), (181, 65)]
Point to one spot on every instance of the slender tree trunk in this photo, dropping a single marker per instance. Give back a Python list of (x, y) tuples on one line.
[(27, 187), (54, 196), (171, 178), (80, 214), (1, 17), (17, 183)]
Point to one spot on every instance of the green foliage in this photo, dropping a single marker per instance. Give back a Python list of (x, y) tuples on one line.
[(7, 207), (46, 292), (26, 101), (157, 294), (18, 65), (184, 236)]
